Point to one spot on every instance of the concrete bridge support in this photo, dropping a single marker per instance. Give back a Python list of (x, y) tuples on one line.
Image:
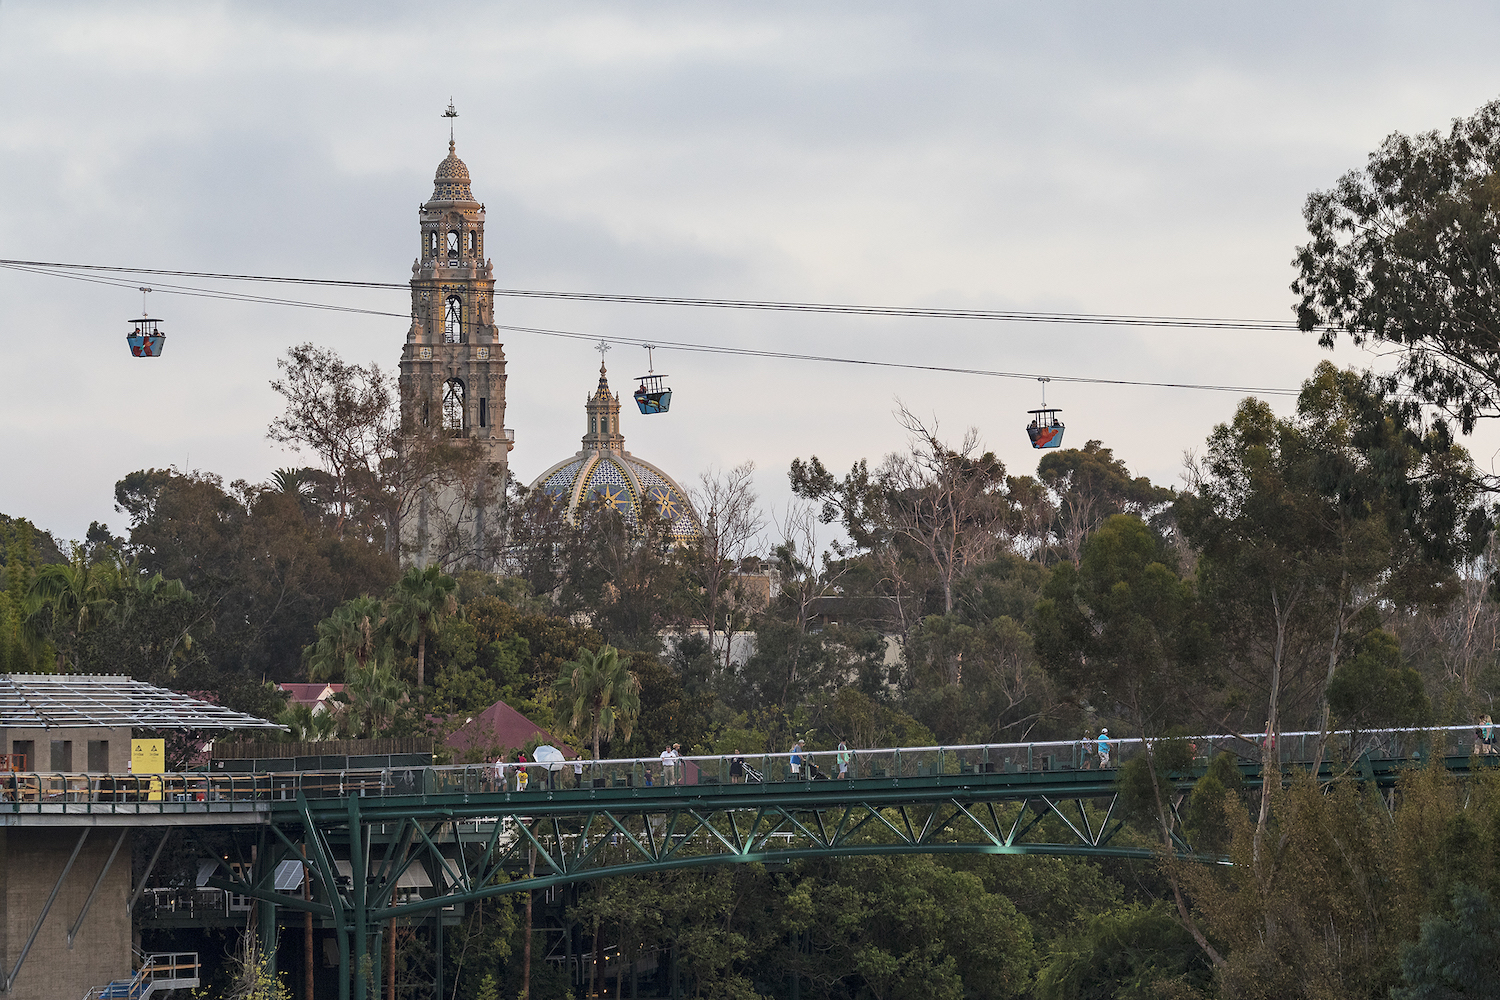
[(63, 893)]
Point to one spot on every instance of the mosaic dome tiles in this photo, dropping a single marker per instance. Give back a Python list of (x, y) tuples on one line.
[(625, 483)]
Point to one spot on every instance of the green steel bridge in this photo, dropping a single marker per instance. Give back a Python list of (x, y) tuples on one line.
[(382, 846)]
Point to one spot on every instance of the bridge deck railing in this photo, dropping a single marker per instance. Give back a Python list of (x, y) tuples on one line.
[(44, 792)]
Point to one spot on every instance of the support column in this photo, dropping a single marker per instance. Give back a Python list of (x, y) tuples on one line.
[(361, 869), (307, 927), (437, 951), (269, 938), (83, 913), (377, 953), (10, 979)]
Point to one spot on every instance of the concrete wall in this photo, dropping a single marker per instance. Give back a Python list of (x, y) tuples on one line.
[(30, 861), (42, 739)]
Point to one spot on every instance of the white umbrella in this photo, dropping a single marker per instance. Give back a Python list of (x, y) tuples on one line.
[(550, 756)]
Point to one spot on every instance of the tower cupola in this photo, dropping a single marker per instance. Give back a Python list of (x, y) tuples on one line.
[(452, 180), (603, 409)]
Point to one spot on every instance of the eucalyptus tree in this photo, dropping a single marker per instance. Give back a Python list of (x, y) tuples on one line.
[(1406, 253), (1090, 485), (1312, 530), (1127, 631)]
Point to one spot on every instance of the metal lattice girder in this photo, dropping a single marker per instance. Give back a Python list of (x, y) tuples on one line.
[(473, 845)]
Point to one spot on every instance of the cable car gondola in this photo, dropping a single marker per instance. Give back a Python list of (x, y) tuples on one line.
[(653, 395), (146, 338), (1045, 430)]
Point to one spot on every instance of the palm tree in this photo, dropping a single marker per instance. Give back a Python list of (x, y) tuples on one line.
[(597, 692), (77, 593), (348, 640), (421, 597), (375, 695), (308, 726)]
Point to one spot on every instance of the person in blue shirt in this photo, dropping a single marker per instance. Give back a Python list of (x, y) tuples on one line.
[(797, 759), (1104, 748)]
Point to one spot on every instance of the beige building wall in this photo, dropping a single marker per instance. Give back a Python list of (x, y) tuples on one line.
[(72, 746), (33, 859)]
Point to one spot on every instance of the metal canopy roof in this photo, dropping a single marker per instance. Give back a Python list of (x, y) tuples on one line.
[(55, 701)]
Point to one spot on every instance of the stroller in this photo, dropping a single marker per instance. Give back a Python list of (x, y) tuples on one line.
[(815, 773), (751, 774)]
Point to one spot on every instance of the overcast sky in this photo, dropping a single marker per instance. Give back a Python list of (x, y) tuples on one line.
[(1120, 158)]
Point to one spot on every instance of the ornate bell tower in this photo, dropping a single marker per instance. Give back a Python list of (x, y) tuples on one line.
[(453, 382)]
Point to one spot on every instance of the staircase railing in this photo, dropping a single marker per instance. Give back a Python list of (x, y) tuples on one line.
[(163, 970)]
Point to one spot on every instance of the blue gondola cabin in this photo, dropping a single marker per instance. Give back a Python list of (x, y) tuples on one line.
[(653, 396), (146, 338), (1045, 430)]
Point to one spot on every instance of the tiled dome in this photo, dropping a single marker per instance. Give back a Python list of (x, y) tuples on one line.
[(624, 482), (604, 472), (452, 180)]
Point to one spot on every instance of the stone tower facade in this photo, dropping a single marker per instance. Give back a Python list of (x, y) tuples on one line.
[(603, 409), (453, 386)]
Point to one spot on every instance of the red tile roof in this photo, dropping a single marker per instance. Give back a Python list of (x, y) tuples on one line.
[(502, 727)]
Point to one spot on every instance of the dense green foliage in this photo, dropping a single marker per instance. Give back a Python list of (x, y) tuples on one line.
[(1328, 568), (1312, 574)]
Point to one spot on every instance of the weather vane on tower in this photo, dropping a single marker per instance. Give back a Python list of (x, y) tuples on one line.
[(602, 347), (450, 114)]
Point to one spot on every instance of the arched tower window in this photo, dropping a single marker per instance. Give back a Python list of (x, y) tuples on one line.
[(453, 321), (452, 246), (432, 241), (453, 405), (470, 236)]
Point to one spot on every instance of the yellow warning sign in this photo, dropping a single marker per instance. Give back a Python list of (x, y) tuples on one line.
[(149, 757)]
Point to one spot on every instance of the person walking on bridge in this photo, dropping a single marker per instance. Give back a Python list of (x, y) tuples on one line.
[(796, 760), (1103, 748), (843, 759)]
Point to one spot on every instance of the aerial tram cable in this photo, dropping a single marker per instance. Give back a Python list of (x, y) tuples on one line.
[(658, 344), (751, 352), (825, 308)]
